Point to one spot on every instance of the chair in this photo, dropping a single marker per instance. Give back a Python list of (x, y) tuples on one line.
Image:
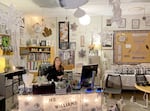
[(113, 84), (141, 80), (43, 69)]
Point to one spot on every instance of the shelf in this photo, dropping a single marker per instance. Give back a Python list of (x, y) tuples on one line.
[(33, 70), (39, 46), (36, 55), (39, 60), (3, 34), (39, 51)]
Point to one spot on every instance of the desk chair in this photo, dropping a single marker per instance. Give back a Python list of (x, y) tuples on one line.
[(141, 80), (43, 69), (113, 84)]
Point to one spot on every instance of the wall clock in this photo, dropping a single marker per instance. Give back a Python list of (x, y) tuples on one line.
[(37, 28)]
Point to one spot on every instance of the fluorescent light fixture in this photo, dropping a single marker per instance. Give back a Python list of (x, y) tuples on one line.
[(85, 20)]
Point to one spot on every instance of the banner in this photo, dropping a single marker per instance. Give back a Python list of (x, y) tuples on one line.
[(70, 102)]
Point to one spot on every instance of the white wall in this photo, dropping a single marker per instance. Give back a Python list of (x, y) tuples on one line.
[(97, 25)]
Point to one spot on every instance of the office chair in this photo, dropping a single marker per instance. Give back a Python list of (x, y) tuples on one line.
[(141, 80), (113, 85), (43, 69)]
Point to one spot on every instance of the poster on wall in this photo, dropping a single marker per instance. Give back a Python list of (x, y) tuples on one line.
[(107, 40), (131, 47), (67, 57), (64, 35)]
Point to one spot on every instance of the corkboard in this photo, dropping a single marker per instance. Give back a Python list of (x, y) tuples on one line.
[(131, 47)]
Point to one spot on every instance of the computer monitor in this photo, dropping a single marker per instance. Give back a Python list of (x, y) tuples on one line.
[(88, 75)]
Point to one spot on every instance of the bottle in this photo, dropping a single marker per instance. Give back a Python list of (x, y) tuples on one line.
[(68, 88), (53, 87)]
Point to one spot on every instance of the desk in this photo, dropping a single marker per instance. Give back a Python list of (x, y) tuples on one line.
[(66, 102), (145, 89)]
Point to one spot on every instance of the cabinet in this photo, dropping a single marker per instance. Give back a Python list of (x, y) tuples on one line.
[(9, 83), (35, 55)]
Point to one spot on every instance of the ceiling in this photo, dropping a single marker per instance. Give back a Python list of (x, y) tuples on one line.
[(93, 7)]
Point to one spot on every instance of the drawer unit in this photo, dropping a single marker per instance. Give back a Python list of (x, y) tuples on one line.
[(9, 83)]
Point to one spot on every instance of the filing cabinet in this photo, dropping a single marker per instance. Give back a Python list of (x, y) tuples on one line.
[(2, 103), (9, 83)]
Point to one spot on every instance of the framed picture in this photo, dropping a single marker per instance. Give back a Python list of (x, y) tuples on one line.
[(68, 58), (82, 41), (64, 35), (107, 40), (0, 40), (135, 23), (147, 21), (43, 43), (34, 42), (108, 22), (123, 23), (73, 45)]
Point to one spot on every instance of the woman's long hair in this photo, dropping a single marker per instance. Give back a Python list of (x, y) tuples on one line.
[(61, 68)]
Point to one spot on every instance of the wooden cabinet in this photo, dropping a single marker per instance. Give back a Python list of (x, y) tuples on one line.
[(36, 55)]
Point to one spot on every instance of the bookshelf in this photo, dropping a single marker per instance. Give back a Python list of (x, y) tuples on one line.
[(36, 55)]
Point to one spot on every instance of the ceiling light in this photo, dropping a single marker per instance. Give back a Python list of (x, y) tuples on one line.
[(85, 20), (79, 13)]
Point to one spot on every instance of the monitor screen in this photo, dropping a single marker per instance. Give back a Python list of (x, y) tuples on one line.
[(88, 74)]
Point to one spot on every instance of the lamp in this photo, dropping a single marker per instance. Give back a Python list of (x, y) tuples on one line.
[(79, 13), (85, 20)]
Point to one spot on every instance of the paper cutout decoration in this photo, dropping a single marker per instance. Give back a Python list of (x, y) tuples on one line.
[(74, 27)]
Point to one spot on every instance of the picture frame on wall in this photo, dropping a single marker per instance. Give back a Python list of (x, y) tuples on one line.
[(72, 45), (107, 40), (0, 40), (123, 23), (147, 21), (135, 23), (64, 35), (43, 43), (68, 58), (108, 22)]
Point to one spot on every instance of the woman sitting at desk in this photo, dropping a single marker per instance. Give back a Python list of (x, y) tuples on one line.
[(56, 71)]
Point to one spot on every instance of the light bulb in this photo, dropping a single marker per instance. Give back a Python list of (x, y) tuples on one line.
[(85, 20)]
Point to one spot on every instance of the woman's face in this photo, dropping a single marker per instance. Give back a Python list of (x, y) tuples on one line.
[(57, 61)]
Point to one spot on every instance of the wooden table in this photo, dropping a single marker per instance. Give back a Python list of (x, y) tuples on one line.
[(146, 90)]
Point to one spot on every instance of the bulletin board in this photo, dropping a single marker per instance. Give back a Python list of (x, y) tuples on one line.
[(131, 47)]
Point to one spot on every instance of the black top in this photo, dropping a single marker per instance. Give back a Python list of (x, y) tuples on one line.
[(52, 73)]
